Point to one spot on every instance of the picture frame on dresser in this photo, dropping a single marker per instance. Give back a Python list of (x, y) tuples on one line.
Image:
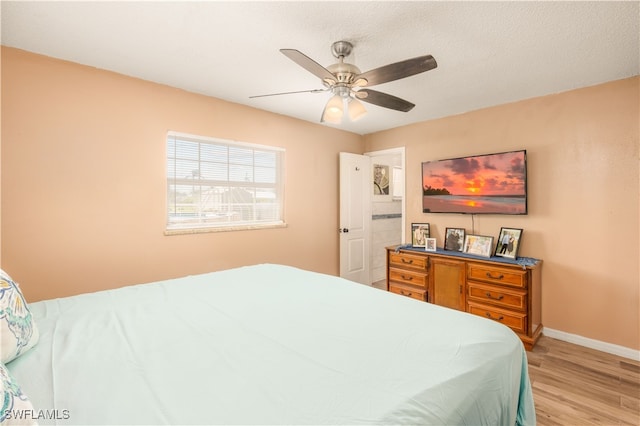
[(419, 234), (454, 239), (479, 245), (430, 244), (508, 242)]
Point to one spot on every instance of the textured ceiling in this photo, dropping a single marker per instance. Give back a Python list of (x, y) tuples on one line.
[(488, 53)]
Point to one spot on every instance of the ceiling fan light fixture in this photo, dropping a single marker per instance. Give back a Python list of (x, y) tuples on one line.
[(334, 110), (356, 109)]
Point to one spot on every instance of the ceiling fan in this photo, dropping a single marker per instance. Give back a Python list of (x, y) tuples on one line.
[(350, 86)]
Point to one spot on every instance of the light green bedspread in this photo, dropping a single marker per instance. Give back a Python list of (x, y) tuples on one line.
[(270, 344)]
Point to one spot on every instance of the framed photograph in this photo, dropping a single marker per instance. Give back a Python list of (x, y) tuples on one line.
[(454, 239), (480, 245), (430, 244), (508, 242), (419, 234), (381, 179)]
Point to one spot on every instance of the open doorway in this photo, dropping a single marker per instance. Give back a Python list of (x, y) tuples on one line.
[(387, 208)]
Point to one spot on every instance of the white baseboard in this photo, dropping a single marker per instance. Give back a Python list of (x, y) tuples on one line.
[(593, 344)]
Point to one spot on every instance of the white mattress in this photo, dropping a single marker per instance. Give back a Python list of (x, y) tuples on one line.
[(269, 344)]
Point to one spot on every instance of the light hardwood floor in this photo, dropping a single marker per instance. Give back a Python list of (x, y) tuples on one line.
[(575, 385)]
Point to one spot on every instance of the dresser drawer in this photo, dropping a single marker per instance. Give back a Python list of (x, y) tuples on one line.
[(407, 260), (418, 294), (515, 320), (504, 276), (408, 277), (509, 298)]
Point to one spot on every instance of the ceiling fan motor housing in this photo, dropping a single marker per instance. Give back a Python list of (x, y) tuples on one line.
[(344, 72)]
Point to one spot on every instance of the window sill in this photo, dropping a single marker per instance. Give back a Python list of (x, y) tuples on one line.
[(205, 230)]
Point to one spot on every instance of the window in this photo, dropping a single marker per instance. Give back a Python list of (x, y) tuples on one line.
[(217, 184)]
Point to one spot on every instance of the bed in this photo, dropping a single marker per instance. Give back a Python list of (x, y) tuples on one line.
[(268, 344)]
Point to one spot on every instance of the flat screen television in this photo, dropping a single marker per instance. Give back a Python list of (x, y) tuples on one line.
[(478, 184)]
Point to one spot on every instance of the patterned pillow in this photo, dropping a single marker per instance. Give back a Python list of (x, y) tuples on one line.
[(15, 407), (18, 332)]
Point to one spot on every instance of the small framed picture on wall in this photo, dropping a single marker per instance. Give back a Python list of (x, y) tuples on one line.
[(419, 234), (381, 179)]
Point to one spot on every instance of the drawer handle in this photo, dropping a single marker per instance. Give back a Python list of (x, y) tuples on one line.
[(406, 278), (495, 298), (409, 262), (499, 277), (405, 294), (488, 314)]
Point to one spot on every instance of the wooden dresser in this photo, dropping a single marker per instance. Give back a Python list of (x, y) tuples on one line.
[(496, 288)]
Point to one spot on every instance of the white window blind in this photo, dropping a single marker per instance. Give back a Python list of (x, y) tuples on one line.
[(213, 183)]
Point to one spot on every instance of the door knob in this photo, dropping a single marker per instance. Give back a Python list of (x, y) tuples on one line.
[(343, 230)]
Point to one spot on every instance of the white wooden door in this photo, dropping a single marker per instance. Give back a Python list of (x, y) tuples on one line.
[(355, 217)]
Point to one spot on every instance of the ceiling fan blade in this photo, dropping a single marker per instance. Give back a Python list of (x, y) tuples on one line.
[(384, 100), (309, 64), (398, 70), (290, 93)]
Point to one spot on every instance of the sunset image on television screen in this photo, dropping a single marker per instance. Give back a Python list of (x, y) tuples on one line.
[(494, 183)]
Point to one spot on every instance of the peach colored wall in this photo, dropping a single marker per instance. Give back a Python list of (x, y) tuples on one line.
[(83, 189), (83, 180), (583, 180)]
